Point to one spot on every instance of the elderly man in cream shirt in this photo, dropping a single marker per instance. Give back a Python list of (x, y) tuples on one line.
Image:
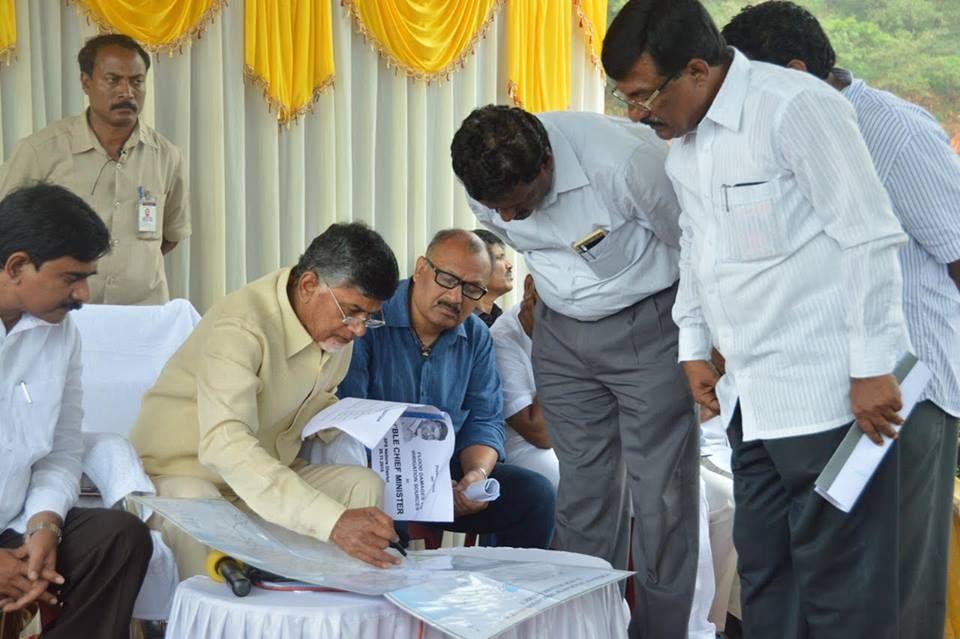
[(225, 416)]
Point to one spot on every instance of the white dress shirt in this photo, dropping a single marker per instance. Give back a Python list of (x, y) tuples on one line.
[(609, 175), (921, 173), (789, 250), (41, 446), (515, 366)]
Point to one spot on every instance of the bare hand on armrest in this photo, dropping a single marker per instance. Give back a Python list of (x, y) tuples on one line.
[(363, 533)]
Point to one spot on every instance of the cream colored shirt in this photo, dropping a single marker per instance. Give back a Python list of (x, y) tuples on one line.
[(231, 403), (68, 153)]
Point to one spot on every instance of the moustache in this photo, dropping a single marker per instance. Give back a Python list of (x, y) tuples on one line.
[(652, 122), (126, 104), (453, 307), (72, 306)]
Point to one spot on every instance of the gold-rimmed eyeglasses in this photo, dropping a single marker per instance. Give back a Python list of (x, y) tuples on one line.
[(633, 102)]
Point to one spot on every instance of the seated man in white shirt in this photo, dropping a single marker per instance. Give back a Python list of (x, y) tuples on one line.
[(528, 443), (501, 279), (89, 561)]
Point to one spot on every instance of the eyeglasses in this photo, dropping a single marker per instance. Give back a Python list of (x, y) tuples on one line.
[(449, 280), (353, 322), (637, 103)]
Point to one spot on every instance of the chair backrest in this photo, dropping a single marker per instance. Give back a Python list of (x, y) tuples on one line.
[(124, 349)]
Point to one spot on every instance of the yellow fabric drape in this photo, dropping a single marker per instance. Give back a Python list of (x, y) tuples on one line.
[(288, 50), (159, 25), (592, 18), (424, 38), (952, 629), (8, 30), (538, 53)]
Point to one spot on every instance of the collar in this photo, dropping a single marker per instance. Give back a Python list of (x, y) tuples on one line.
[(25, 323), (568, 173), (727, 107), (295, 336), (82, 137), (396, 311), (854, 86)]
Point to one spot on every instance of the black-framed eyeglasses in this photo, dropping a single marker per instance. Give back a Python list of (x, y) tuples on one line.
[(645, 103), (451, 281), (351, 321)]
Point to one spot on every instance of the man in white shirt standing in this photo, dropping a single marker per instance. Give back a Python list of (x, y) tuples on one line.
[(585, 198), (921, 173), (789, 265), (89, 561)]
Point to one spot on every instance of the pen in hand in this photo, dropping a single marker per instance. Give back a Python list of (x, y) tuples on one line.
[(396, 546)]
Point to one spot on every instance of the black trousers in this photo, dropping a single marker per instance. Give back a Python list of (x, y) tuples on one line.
[(927, 456), (807, 569), (103, 558)]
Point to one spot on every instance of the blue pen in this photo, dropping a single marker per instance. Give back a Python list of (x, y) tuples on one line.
[(140, 193)]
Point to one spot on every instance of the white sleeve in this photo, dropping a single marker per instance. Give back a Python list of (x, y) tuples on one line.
[(55, 480), (516, 374), (820, 142)]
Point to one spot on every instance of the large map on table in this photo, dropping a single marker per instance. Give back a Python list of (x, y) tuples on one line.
[(470, 597)]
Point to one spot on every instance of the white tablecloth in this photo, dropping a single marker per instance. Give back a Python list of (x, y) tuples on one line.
[(203, 609)]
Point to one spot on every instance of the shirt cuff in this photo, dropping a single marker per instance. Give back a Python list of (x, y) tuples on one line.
[(480, 440), (694, 344), (516, 404), (176, 234), (875, 357), (321, 517), (48, 500)]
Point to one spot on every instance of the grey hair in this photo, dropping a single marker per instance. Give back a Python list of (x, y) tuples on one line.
[(352, 255)]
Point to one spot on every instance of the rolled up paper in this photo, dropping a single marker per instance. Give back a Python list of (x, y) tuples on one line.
[(486, 490)]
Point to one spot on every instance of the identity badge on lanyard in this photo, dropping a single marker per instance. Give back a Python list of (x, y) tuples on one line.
[(146, 211)]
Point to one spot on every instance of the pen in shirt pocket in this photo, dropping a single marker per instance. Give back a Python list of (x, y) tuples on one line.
[(26, 393)]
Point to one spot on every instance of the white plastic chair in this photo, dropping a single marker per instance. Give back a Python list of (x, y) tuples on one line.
[(124, 349)]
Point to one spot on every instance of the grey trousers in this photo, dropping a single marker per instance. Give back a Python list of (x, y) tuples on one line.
[(928, 445), (621, 421), (807, 569)]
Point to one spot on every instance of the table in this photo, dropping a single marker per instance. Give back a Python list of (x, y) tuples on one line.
[(203, 609)]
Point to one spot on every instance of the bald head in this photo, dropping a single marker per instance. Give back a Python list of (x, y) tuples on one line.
[(449, 280), (466, 241)]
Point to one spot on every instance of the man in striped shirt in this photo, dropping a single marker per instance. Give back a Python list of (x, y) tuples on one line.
[(921, 173)]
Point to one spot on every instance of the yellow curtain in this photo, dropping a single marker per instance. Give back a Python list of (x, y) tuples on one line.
[(424, 38), (538, 53), (592, 18), (952, 629), (159, 25), (8, 30), (288, 51)]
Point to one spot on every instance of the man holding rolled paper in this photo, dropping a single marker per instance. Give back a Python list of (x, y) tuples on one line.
[(434, 351), (788, 264)]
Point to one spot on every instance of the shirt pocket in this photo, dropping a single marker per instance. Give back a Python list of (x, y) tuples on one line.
[(752, 224), (616, 251), (36, 411)]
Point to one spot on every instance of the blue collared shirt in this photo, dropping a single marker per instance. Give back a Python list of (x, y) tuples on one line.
[(458, 377)]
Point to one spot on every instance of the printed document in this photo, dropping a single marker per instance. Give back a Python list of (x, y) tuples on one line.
[(856, 459)]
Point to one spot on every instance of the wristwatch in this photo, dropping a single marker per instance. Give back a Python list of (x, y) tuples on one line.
[(45, 525)]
